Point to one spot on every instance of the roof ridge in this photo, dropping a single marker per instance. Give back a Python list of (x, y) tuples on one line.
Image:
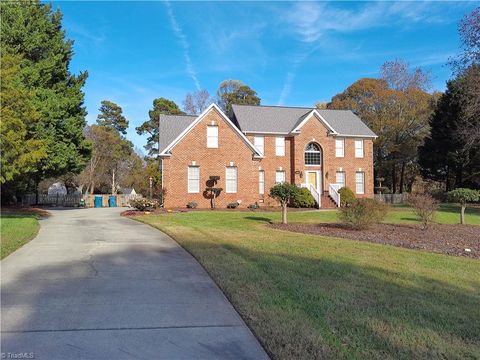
[(278, 106)]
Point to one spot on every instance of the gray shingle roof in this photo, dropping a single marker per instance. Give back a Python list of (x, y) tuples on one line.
[(284, 119), (170, 127)]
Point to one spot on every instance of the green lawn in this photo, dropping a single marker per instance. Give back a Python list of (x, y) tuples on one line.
[(16, 230), (308, 297)]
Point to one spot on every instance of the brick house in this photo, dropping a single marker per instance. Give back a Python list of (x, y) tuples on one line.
[(321, 150)]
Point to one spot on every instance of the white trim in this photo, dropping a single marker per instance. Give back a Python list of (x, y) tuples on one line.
[(266, 133), (343, 147), (198, 119), (255, 138), (359, 136), (362, 173), (227, 179), (361, 150), (189, 178), (318, 186), (279, 140), (322, 119)]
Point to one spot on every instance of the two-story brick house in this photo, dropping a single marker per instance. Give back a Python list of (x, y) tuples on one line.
[(321, 150)]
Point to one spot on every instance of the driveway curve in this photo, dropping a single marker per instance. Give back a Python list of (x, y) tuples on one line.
[(94, 285)]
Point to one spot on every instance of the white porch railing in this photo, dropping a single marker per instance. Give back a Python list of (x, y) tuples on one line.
[(334, 194), (316, 195)]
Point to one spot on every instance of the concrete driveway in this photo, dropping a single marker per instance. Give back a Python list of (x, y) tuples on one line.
[(94, 285)]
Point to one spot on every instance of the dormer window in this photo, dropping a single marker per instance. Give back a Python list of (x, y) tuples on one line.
[(212, 136)]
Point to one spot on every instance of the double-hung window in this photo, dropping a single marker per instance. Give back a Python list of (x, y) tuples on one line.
[(280, 146), (212, 136), (359, 148), (261, 182), (279, 176), (193, 179), (360, 182), (259, 142), (340, 178), (231, 179), (339, 147)]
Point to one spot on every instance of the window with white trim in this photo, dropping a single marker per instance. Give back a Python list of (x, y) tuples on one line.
[(231, 179), (340, 178), (339, 147), (359, 148), (313, 154), (212, 136), (261, 182), (193, 179), (279, 176), (360, 182), (280, 146), (259, 142)]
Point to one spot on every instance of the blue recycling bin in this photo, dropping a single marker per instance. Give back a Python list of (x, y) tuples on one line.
[(98, 201), (112, 201)]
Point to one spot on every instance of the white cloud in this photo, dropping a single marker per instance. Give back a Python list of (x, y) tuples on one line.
[(184, 44)]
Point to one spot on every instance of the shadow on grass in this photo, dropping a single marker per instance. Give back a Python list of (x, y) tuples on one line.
[(299, 307), (259, 218)]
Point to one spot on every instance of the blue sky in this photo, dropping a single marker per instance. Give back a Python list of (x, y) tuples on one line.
[(290, 53)]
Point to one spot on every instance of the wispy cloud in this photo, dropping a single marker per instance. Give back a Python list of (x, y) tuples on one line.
[(184, 44)]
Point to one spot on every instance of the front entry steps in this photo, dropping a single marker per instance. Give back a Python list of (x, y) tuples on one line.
[(327, 202)]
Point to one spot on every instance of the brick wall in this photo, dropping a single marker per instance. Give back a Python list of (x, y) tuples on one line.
[(231, 148)]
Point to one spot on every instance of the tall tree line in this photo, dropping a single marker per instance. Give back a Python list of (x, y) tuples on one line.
[(42, 130)]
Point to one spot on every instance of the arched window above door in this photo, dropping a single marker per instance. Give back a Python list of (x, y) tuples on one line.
[(313, 154)]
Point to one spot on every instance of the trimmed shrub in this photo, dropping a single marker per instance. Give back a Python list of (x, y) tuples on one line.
[(253, 206), (303, 199), (233, 205), (346, 196), (143, 204), (192, 205), (424, 206), (464, 196), (362, 213)]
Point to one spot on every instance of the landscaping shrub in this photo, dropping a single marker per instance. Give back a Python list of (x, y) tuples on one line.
[(192, 205), (346, 196), (233, 205), (253, 206), (424, 206), (362, 213), (303, 199), (143, 204)]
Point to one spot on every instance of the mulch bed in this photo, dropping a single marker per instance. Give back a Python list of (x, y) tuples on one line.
[(444, 239), (29, 210)]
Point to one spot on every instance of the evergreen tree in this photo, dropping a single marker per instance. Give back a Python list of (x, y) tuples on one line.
[(111, 115), (33, 32), (150, 127)]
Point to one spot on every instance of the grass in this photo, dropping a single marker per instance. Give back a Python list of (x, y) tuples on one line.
[(16, 229), (309, 297)]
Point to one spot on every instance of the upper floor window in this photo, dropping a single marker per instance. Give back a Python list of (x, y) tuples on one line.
[(231, 179), (212, 136), (280, 146), (359, 148), (279, 176), (259, 142), (339, 147), (193, 179), (313, 154)]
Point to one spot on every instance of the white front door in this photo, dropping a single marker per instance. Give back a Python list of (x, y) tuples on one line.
[(313, 178)]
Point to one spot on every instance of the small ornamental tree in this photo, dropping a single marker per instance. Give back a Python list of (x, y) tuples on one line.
[(463, 196), (212, 191), (283, 193), (424, 206)]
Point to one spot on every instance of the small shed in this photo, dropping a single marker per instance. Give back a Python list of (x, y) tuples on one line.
[(129, 191), (57, 189)]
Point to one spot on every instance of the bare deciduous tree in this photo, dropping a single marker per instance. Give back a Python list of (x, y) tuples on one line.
[(196, 102)]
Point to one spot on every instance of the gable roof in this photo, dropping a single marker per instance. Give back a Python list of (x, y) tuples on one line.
[(170, 127), (178, 126), (285, 120)]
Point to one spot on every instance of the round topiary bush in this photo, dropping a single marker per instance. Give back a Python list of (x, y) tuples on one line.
[(346, 196), (303, 199)]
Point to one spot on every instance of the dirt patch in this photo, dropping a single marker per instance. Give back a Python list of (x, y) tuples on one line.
[(445, 239)]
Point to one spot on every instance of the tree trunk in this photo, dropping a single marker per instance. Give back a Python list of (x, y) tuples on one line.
[(284, 213), (394, 179), (114, 188), (462, 215), (402, 178)]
